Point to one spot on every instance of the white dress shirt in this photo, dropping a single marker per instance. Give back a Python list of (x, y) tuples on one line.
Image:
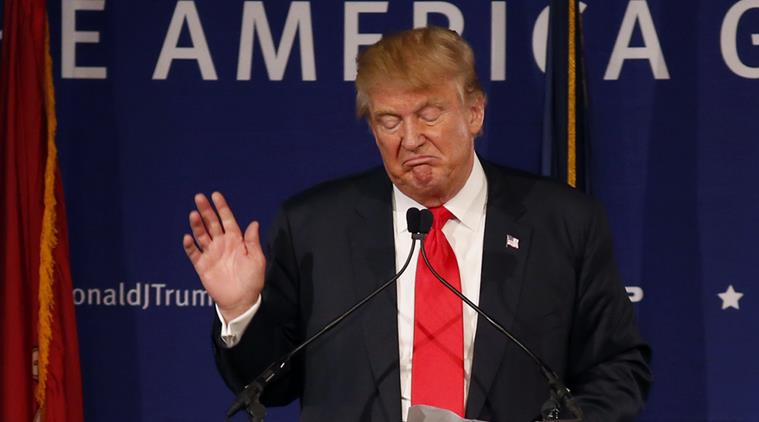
[(465, 234)]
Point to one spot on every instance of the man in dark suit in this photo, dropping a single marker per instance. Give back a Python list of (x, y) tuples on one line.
[(535, 255)]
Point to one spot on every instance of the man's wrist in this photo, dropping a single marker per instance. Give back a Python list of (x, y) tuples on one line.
[(230, 313), (232, 331)]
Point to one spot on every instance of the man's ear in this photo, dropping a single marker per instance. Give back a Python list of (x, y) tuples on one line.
[(476, 114)]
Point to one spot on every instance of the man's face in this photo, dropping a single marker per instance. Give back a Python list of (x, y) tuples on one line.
[(426, 138)]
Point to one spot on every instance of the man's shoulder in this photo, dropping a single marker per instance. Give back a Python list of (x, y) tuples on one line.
[(535, 191)]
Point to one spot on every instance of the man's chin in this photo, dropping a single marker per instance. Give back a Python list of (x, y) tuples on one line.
[(423, 176)]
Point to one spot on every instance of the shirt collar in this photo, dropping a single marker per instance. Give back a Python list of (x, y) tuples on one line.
[(468, 205)]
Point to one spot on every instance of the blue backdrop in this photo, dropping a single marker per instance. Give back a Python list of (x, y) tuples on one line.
[(158, 100)]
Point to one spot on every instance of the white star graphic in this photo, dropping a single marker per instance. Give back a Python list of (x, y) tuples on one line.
[(730, 298)]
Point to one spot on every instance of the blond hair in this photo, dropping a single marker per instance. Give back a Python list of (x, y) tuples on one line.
[(418, 59)]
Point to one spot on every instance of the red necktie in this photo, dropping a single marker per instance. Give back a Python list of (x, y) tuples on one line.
[(437, 372)]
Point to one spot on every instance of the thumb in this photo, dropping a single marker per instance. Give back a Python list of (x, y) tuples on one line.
[(252, 239)]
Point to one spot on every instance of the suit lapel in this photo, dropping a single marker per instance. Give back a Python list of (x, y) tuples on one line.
[(505, 250), (370, 234)]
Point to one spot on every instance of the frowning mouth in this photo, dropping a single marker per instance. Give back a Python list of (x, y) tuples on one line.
[(418, 161)]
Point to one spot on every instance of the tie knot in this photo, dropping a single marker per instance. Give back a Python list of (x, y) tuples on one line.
[(440, 215)]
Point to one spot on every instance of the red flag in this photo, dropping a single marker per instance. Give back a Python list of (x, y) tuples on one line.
[(39, 355)]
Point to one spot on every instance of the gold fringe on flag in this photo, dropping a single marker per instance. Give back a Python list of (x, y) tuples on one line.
[(48, 237), (571, 99)]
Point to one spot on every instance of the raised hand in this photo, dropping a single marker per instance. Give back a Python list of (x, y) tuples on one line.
[(230, 266)]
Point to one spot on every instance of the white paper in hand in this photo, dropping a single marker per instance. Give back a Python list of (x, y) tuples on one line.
[(422, 413)]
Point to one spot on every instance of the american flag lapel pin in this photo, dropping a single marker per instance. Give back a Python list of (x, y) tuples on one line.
[(512, 242)]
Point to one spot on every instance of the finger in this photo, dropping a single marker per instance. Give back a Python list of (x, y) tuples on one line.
[(191, 249), (199, 230), (252, 239), (227, 218), (210, 219)]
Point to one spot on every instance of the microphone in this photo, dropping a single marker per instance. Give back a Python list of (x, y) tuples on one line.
[(413, 220), (559, 392), (425, 221), (249, 397)]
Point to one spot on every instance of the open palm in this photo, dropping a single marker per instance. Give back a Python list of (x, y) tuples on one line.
[(230, 265)]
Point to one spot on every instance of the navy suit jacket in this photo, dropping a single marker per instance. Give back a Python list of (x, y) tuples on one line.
[(559, 292)]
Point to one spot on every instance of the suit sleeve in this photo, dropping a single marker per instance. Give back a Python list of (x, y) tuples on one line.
[(608, 360), (273, 331)]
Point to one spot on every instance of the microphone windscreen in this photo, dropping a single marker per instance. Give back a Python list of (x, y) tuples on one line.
[(412, 220), (425, 221)]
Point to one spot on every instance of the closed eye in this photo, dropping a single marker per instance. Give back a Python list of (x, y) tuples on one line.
[(389, 122), (430, 114)]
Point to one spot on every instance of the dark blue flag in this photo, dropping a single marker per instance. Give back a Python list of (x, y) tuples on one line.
[(566, 147)]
